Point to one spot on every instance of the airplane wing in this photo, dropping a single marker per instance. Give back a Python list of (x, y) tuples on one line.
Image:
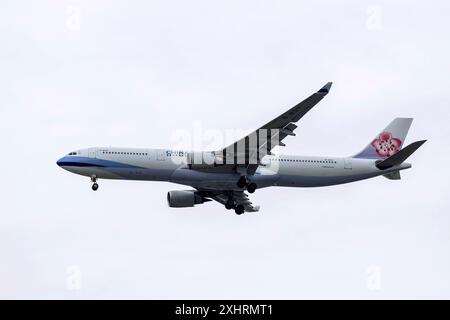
[(248, 151), (240, 197)]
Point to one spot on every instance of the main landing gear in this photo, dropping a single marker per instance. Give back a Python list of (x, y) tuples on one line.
[(95, 184), (239, 209), (243, 182), (251, 187), (231, 204)]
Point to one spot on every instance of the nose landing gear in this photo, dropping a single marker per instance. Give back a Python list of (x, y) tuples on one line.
[(95, 184)]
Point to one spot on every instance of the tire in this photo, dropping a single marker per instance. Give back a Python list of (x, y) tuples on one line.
[(239, 209), (229, 204), (251, 187), (95, 186), (242, 182)]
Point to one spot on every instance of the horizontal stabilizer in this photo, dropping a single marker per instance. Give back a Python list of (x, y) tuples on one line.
[(400, 156), (393, 175)]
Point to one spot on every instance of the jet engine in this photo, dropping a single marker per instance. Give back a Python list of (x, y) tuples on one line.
[(184, 198)]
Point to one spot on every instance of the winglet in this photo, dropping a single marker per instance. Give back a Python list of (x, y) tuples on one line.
[(326, 88)]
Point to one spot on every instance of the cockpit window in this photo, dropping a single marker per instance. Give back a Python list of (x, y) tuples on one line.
[(72, 154)]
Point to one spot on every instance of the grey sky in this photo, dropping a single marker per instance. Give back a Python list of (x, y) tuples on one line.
[(133, 73)]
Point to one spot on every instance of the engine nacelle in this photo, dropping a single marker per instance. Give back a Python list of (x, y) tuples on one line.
[(184, 198)]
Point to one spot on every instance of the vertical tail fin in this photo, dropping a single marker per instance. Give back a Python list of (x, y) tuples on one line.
[(388, 142)]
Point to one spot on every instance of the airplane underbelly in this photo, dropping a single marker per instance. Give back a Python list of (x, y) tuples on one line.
[(223, 181), (320, 181), (204, 179), (123, 173)]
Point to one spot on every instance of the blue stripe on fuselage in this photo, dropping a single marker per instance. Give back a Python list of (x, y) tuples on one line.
[(71, 161)]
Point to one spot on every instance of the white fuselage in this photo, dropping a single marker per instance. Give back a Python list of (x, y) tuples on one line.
[(170, 165)]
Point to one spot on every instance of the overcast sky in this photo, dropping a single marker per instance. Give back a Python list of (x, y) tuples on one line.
[(76, 74)]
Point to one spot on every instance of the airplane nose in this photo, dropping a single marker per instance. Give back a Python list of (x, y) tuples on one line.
[(59, 162)]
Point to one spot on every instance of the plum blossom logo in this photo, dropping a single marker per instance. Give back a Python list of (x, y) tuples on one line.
[(386, 145)]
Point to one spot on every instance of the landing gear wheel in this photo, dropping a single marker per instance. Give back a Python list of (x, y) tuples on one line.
[(251, 187), (229, 204), (242, 182), (239, 209), (95, 186)]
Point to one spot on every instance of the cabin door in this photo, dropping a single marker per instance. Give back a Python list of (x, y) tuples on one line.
[(161, 155), (348, 163), (92, 153)]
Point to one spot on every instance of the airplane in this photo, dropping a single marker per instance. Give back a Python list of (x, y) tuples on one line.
[(249, 164)]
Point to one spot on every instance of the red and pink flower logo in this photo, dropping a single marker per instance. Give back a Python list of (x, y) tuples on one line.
[(386, 145)]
